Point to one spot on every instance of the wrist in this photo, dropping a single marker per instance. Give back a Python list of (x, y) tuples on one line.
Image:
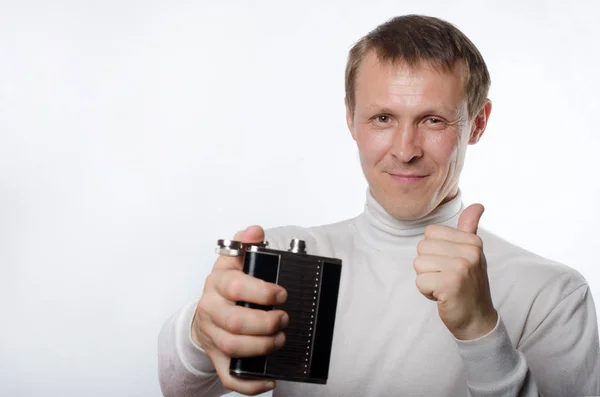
[(190, 353), (194, 335), (478, 327)]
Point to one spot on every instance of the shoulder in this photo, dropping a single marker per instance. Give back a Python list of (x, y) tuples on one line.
[(530, 290), (319, 239), (518, 269)]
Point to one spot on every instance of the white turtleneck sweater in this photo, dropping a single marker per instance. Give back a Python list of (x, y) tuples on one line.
[(389, 339)]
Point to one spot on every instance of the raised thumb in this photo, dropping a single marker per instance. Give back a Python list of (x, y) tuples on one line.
[(468, 220), (252, 234)]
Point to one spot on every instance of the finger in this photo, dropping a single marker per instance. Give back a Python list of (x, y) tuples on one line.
[(225, 262), (447, 233), (427, 284), (245, 345), (243, 386), (469, 218), (427, 264), (240, 320), (252, 234), (449, 255), (236, 286), (440, 248)]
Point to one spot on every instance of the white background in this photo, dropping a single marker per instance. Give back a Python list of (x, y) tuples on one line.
[(134, 134)]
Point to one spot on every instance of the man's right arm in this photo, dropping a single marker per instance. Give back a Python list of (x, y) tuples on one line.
[(184, 368), (195, 345)]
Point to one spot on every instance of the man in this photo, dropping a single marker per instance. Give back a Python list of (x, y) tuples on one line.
[(429, 304)]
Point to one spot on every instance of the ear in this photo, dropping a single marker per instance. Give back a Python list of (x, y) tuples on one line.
[(349, 119), (480, 122)]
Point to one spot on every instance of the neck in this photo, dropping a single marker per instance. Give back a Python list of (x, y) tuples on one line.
[(385, 232)]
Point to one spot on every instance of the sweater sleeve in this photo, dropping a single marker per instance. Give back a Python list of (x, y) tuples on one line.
[(184, 369), (493, 367), (560, 358)]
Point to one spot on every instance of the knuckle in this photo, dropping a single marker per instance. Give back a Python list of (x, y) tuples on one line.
[(234, 288), (418, 282), (209, 282), (268, 293), (442, 296), (234, 322), (201, 306), (226, 263), (417, 264), (421, 283), (427, 233), (203, 311), (226, 344), (474, 255), (421, 246), (265, 287), (470, 255), (430, 231), (219, 263), (260, 284)]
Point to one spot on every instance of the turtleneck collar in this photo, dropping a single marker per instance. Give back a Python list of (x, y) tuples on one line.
[(382, 230)]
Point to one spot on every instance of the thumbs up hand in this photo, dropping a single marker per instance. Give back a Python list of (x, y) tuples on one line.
[(452, 270)]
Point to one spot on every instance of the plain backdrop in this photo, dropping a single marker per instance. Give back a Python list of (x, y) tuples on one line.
[(134, 134)]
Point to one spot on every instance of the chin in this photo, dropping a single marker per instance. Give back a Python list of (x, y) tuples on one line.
[(406, 207), (406, 203)]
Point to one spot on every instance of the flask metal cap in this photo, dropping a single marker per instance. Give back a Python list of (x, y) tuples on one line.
[(297, 246), (229, 248)]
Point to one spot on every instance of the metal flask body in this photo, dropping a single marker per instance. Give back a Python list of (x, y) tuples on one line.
[(312, 283)]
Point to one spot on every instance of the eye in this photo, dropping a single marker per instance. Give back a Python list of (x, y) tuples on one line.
[(435, 123), (382, 118), (433, 120)]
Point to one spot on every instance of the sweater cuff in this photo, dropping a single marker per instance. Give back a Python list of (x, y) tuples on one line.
[(491, 361), (192, 356)]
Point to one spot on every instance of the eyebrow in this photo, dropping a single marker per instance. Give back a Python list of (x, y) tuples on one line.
[(454, 112), (378, 109)]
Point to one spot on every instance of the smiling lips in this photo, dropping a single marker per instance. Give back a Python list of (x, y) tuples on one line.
[(408, 178)]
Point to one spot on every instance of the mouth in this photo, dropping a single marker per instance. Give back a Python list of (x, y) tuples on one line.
[(407, 178)]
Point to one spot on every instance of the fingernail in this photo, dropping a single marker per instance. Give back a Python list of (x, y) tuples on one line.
[(270, 385), (279, 340), (281, 297), (285, 319)]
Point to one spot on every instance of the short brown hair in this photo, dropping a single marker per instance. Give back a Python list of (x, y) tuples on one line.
[(412, 39)]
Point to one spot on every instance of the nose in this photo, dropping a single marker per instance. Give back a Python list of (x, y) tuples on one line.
[(407, 145)]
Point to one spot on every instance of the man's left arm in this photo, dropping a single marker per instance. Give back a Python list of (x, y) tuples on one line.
[(561, 357)]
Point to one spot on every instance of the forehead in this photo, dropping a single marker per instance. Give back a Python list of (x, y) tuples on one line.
[(396, 84)]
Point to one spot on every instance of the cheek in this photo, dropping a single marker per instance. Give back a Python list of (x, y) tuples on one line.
[(443, 149), (373, 146)]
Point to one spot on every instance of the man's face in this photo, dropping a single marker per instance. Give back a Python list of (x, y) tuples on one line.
[(412, 129)]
